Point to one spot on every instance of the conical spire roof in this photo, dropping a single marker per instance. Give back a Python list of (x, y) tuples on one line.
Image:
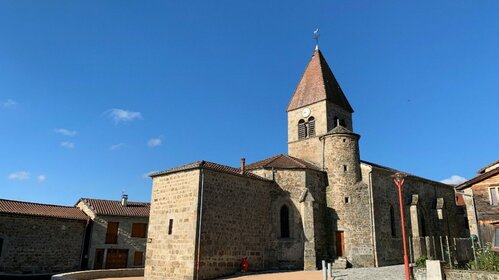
[(318, 83)]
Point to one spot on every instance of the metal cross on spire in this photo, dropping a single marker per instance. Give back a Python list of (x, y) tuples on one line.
[(316, 37)]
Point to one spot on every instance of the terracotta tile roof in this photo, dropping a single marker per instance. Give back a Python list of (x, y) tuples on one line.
[(340, 130), (477, 179), (318, 83), (211, 166), (43, 210), (114, 207), (283, 161)]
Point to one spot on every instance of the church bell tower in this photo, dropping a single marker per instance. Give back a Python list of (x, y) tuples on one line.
[(318, 105)]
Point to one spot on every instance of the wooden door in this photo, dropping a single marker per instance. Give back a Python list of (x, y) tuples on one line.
[(98, 258), (340, 243), (116, 258)]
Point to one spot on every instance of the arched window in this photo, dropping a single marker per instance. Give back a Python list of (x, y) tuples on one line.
[(335, 122), (284, 221), (311, 126), (392, 222), (302, 130)]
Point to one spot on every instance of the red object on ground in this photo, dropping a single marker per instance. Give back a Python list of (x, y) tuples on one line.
[(244, 265)]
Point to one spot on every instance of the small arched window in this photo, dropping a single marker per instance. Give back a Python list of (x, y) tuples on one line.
[(311, 126), (302, 129), (284, 219), (392, 222)]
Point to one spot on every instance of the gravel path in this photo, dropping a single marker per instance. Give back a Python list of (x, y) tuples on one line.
[(395, 272)]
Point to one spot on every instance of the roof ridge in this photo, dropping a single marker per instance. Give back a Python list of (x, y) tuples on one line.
[(37, 203), (297, 161), (113, 200), (274, 158)]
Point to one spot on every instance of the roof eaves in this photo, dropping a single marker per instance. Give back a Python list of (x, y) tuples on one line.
[(477, 179), (389, 169)]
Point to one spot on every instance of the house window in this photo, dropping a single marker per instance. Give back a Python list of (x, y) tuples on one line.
[(496, 239), (138, 258), (302, 129), (335, 122), (392, 222), (494, 195), (311, 126), (112, 233), (139, 230), (284, 221), (170, 227)]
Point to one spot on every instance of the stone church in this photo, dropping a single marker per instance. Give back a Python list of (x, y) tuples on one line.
[(321, 201)]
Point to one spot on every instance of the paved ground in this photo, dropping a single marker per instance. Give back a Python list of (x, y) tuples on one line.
[(395, 272)]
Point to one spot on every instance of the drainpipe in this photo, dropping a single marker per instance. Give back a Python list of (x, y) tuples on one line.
[(371, 214), (200, 223)]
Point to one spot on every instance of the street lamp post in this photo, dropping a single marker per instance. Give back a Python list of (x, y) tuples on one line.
[(399, 179)]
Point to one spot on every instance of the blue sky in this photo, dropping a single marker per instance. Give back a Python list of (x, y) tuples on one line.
[(95, 94)]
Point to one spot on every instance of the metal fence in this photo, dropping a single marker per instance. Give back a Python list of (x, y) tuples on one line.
[(451, 250)]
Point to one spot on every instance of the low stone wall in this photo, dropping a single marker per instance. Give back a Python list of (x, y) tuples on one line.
[(455, 274), (104, 273)]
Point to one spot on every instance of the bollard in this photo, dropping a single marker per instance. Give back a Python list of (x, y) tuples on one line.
[(442, 250), (330, 269), (324, 270)]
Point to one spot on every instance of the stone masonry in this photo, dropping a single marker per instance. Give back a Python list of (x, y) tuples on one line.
[(40, 244)]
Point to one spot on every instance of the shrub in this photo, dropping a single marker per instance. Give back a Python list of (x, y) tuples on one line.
[(421, 261), (486, 259)]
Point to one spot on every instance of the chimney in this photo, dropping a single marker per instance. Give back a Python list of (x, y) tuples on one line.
[(124, 200), (243, 165)]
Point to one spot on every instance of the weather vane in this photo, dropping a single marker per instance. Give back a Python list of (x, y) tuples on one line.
[(316, 38)]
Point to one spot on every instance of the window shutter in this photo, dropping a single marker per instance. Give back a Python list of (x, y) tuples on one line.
[(139, 230), (138, 258), (112, 233), (311, 126), (302, 130)]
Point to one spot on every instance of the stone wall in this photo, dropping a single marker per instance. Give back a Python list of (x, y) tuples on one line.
[(421, 217), (98, 274), (303, 190), (125, 240), (174, 197), (455, 274), (33, 244), (236, 223)]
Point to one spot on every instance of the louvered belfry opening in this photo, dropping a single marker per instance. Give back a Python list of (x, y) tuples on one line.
[(306, 129), (302, 130), (311, 126)]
